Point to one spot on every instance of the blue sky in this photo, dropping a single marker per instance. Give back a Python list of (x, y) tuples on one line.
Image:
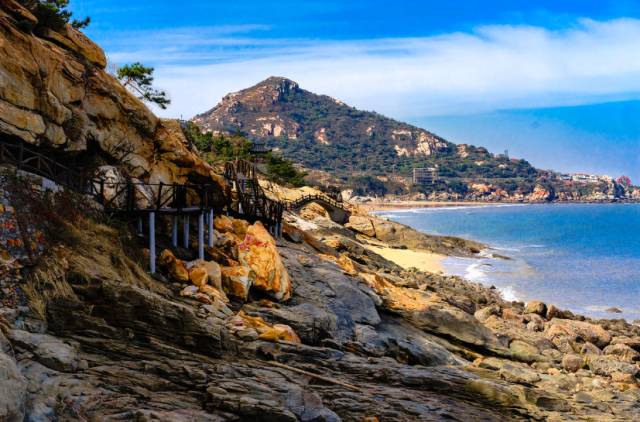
[(556, 82)]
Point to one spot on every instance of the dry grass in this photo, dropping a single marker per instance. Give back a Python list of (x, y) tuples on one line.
[(46, 283)]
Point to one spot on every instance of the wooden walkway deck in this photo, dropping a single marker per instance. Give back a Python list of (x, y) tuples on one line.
[(139, 201)]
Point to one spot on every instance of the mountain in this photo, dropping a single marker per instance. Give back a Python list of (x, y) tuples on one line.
[(322, 132), (375, 154)]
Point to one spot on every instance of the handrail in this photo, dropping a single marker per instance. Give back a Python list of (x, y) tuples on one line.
[(300, 202), (114, 196), (251, 199)]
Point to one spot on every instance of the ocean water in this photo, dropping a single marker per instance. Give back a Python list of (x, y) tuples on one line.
[(582, 257)]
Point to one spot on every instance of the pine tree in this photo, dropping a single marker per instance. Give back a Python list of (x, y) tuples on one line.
[(139, 79)]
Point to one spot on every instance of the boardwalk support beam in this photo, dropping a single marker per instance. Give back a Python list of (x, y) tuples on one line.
[(174, 232), (201, 235), (186, 232), (211, 234), (152, 242)]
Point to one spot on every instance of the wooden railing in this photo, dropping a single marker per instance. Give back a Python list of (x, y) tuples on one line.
[(122, 196), (304, 200), (252, 202)]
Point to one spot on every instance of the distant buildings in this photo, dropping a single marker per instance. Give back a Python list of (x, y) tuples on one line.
[(584, 178), (425, 176)]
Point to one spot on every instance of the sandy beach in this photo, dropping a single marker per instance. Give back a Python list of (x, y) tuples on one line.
[(407, 258)]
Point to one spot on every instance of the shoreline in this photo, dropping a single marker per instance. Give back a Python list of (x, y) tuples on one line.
[(473, 268), (411, 205)]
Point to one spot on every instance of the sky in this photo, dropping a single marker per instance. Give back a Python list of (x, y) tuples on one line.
[(555, 82)]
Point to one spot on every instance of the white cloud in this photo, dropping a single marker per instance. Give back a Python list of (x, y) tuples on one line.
[(490, 68)]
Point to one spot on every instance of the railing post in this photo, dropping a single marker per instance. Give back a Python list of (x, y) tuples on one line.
[(201, 235), (152, 242), (211, 234), (185, 233), (174, 232)]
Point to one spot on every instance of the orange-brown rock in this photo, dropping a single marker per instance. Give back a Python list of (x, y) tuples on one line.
[(212, 292), (259, 254), (236, 281), (223, 224), (280, 332), (198, 276), (347, 265), (175, 267)]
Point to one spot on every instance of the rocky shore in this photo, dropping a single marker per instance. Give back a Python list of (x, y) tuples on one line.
[(315, 326)]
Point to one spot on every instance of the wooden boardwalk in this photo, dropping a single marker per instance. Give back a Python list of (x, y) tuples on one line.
[(146, 201)]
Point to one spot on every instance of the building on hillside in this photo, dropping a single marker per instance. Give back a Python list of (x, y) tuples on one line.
[(425, 176)]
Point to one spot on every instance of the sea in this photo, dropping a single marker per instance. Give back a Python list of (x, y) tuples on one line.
[(581, 257)]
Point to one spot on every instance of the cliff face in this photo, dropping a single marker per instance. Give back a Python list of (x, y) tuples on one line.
[(55, 93)]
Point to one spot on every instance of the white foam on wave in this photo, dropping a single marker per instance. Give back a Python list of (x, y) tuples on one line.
[(508, 293), (474, 272)]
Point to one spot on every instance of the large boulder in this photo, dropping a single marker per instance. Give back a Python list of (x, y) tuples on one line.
[(578, 332), (236, 281), (259, 254), (362, 225), (439, 317), (536, 307)]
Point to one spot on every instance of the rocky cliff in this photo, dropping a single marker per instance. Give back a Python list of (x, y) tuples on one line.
[(56, 94)]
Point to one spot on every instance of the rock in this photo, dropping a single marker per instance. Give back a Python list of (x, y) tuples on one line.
[(280, 332), (553, 312), (347, 265), (590, 349), (48, 350), (536, 307), (13, 391), (223, 224), (198, 276), (622, 352), (572, 363), (362, 225), (214, 293), (214, 274), (536, 322), (312, 211), (236, 281), (623, 378), (439, 317), (634, 342), (606, 366), (189, 291), (578, 331), (484, 313), (259, 254), (248, 334), (525, 352), (512, 314), (175, 267)]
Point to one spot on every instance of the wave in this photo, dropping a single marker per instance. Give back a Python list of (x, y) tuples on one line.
[(508, 293)]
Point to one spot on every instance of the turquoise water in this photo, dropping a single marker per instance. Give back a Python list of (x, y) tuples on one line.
[(582, 257)]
